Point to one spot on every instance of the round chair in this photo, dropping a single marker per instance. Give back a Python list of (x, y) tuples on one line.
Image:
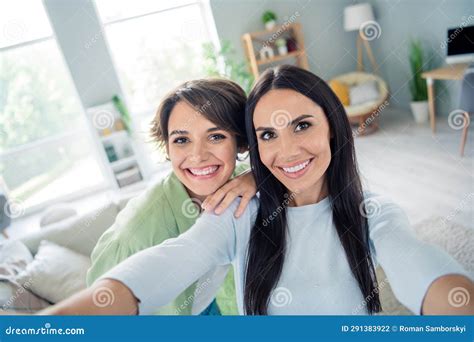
[(365, 115)]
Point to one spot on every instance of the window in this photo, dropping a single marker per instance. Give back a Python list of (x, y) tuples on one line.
[(46, 151), (155, 46)]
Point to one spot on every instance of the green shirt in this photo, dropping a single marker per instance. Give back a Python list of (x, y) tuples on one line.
[(162, 212)]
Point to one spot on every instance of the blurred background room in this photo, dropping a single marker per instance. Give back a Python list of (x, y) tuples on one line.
[(80, 82)]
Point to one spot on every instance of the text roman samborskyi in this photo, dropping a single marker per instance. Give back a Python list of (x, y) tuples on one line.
[(431, 328)]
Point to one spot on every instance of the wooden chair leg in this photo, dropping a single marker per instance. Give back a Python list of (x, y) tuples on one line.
[(464, 132)]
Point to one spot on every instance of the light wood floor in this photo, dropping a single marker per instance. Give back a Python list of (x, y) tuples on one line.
[(421, 172)]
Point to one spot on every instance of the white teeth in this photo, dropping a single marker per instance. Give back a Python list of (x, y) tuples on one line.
[(203, 172), (296, 168)]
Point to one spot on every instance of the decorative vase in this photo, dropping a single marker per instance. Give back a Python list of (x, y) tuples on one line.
[(269, 25), (282, 50), (420, 111)]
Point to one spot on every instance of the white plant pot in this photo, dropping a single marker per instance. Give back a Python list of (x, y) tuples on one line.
[(420, 111), (270, 24), (282, 50)]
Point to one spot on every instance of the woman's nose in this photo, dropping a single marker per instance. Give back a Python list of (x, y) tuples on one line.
[(198, 153), (288, 148)]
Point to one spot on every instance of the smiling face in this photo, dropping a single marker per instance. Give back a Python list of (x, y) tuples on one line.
[(202, 155), (293, 137)]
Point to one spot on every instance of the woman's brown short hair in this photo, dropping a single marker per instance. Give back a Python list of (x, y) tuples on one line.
[(221, 101)]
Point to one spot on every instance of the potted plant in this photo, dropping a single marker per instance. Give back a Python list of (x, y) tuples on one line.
[(269, 20), (418, 89), (224, 63), (281, 45)]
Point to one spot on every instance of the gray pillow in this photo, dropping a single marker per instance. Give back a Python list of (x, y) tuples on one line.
[(14, 257), (364, 92), (14, 297)]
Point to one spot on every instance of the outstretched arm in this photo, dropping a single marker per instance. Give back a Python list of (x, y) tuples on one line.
[(105, 297), (423, 277)]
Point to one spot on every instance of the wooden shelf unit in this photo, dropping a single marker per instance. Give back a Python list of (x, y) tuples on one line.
[(268, 37)]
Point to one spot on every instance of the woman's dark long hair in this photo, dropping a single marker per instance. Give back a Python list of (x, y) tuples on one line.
[(267, 245)]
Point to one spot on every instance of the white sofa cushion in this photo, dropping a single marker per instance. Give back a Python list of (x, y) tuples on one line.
[(56, 272), (56, 213), (79, 234)]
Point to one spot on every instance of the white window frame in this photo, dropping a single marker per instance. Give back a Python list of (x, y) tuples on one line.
[(206, 11), (57, 137)]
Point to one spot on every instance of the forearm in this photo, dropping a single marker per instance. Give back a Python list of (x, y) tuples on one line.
[(105, 297), (449, 295)]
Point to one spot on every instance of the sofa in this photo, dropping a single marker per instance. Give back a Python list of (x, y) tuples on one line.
[(50, 264)]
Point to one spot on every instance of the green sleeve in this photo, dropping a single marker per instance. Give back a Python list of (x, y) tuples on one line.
[(138, 226)]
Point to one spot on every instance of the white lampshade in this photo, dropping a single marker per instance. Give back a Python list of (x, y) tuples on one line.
[(356, 15)]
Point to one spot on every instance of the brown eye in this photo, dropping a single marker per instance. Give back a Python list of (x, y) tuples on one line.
[(180, 140), (267, 135), (303, 125), (217, 137)]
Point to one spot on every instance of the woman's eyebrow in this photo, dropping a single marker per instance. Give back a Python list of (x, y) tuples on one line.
[(213, 129), (178, 131), (184, 132), (293, 122)]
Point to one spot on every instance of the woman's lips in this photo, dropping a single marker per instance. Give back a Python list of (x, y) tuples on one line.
[(297, 170), (203, 172)]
